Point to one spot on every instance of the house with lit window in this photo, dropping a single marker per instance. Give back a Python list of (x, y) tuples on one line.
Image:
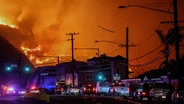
[(64, 72), (102, 68)]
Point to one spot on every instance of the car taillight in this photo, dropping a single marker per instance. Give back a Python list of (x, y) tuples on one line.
[(119, 83), (33, 87), (143, 93), (89, 85), (84, 88), (178, 95), (94, 89)]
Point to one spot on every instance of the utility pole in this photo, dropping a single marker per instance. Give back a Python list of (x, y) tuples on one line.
[(176, 37), (177, 45), (73, 64), (126, 70), (176, 33), (20, 69)]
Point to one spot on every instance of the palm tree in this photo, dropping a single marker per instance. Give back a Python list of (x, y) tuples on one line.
[(168, 40)]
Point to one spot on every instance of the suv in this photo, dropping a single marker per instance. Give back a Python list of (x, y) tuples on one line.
[(178, 94), (104, 88), (161, 91), (119, 89), (89, 89), (143, 91)]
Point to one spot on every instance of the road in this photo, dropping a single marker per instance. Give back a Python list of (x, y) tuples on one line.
[(58, 99), (89, 100), (64, 100), (19, 100)]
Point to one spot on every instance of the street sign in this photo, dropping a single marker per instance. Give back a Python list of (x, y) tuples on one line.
[(116, 77)]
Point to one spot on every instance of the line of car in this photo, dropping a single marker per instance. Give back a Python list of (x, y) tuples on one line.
[(7, 90), (145, 91)]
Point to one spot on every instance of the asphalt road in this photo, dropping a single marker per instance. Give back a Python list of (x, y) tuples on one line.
[(58, 99), (89, 100), (19, 100), (64, 100)]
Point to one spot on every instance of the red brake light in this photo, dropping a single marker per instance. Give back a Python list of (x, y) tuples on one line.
[(84, 88), (94, 89), (143, 93), (33, 87), (119, 83), (89, 85)]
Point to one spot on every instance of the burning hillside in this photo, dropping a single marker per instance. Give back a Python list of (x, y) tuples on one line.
[(22, 41), (39, 28)]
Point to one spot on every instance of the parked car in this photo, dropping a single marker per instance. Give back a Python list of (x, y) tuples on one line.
[(178, 93), (104, 88), (73, 91), (36, 90), (89, 90), (143, 92), (162, 91), (119, 89), (139, 90)]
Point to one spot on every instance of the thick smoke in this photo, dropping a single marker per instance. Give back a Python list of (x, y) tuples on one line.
[(44, 24)]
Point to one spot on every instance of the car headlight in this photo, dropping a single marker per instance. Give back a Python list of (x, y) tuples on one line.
[(179, 95)]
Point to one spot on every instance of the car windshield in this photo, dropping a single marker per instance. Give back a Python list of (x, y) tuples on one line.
[(147, 86), (162, 86), (106, 84)]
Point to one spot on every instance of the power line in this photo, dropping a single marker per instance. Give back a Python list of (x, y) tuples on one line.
[(114, 51), (146, 53), (154, 60), (106, 29), (150, 37)]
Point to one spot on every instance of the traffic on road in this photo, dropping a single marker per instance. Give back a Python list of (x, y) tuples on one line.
[(138, 92)]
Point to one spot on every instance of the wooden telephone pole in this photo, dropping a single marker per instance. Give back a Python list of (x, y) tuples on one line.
[(73, 64)]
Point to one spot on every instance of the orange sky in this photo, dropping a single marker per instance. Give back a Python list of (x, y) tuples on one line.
[(46, 22)]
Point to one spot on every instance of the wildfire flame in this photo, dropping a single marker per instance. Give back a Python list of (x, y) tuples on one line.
[(33, 56), (30, 52), (27, 50), (8, 23)]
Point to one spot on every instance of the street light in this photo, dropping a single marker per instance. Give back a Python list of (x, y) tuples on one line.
[(8, 67), (27, 68), (119, 44), (175, 14), (107, 41), (146, 8)]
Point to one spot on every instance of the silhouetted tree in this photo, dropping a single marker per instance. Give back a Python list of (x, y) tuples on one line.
[(168, 40)]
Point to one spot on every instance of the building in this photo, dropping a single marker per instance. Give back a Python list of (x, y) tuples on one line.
[(96, 69), (43, 77), (102, 68), (64, 71)]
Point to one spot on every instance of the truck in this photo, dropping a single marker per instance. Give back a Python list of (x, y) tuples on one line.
[(61, 87)]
